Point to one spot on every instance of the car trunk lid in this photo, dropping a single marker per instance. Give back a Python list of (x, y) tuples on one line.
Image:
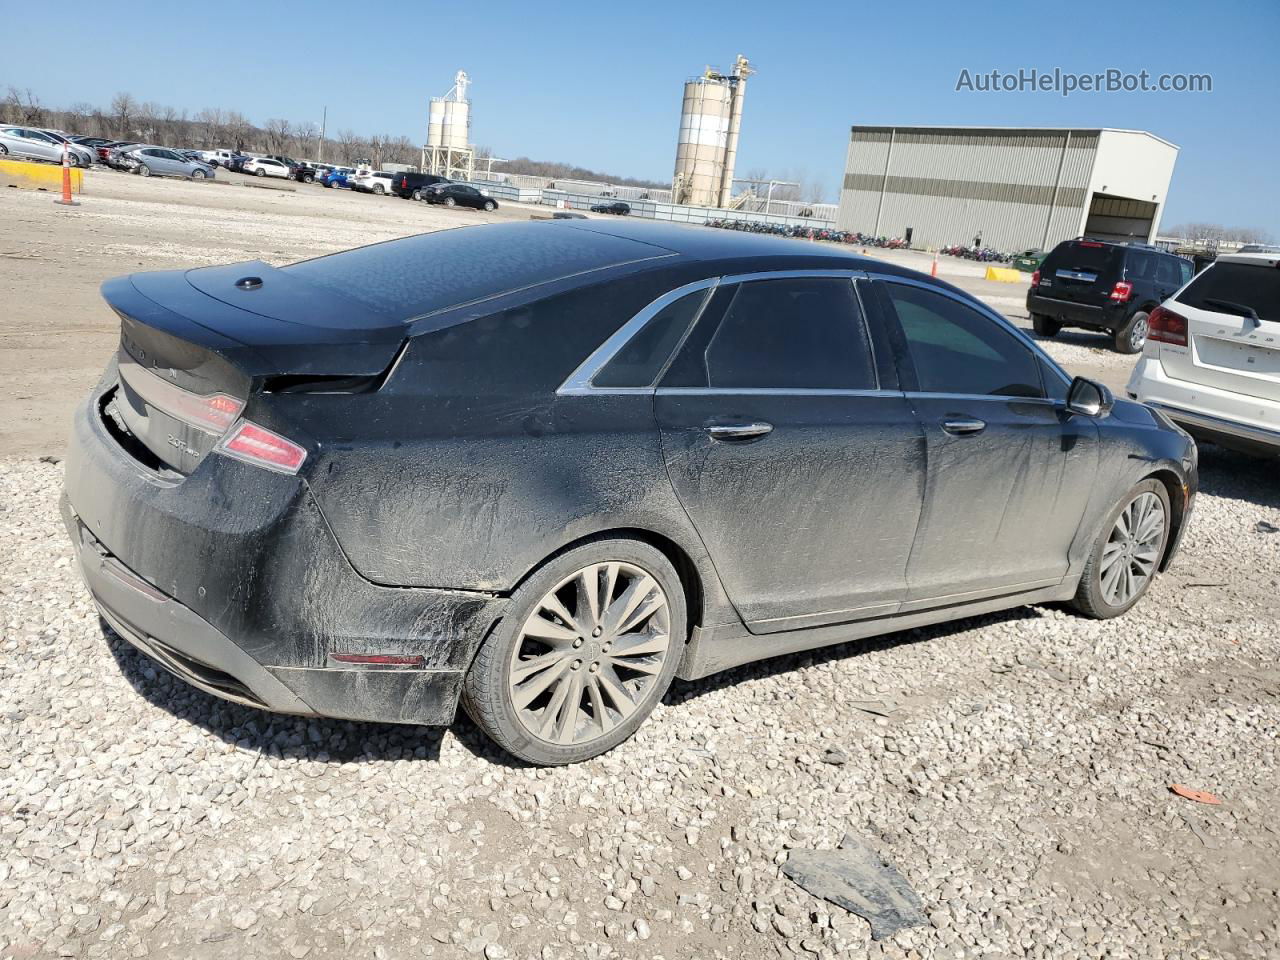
[(1082, 271), (1227, 348), (195, 345)]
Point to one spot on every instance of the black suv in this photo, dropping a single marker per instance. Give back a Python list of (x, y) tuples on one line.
[(1103, 286), (409, 186)]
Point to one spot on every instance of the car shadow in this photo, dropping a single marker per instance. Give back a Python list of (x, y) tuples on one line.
[(684, 690), (303, 738), (1239, 476)]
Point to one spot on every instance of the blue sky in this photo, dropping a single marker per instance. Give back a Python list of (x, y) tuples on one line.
[(599, 83)]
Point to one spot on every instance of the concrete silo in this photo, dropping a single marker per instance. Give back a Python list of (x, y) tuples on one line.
[(707, 146), (448, 151)]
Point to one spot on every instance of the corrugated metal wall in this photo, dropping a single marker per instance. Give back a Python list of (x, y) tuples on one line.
[(949, 185)]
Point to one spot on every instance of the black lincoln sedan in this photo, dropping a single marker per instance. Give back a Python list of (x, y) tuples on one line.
[(543, 468), (458, 195), (617, 207)]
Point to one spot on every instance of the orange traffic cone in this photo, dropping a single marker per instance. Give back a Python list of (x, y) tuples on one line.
[(933, 271), (66, 200)]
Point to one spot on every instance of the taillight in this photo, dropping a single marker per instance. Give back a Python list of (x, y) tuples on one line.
[(1035, 279), (1122, 291), (214, 413), (263, 448), (404, 182), (1167, 327)]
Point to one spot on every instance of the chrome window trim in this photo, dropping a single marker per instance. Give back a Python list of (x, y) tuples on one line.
[(994, 397), (772, 392), (579, 382), (986, 311)]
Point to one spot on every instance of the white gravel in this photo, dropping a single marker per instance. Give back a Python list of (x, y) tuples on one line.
[(1020, 783)]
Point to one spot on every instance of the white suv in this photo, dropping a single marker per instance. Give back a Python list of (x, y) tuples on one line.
[(266, 167), (1212, 358)]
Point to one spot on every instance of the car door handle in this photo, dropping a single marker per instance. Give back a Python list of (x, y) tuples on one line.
[(739, 431), (960, 427)]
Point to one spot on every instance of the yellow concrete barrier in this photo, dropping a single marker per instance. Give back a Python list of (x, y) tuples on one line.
[(1004, 274), (38, 176)]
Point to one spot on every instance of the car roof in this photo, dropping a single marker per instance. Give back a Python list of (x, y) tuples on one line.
[(1257, 259)]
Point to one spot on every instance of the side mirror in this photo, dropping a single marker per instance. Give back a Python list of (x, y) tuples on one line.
[(1089, 398)]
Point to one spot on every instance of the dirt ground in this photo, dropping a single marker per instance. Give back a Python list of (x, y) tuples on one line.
[(56, 333)]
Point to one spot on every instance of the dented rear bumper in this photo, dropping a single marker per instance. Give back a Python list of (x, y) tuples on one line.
[(231, 579)]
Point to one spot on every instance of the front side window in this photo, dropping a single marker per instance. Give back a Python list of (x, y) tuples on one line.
[(955, 349), (804, 333)]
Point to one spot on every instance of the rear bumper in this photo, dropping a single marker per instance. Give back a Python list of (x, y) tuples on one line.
[(232, 580), (1072, 314), (1208, 413)]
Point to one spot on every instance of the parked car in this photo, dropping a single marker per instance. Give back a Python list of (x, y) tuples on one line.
[(1109, 287), (617, 207), (409, 186), (1029, 261), (103, 150), (235, 163), (338, 177), (1212, 357), (459, 195), (91, 142), (303, 172), (265, 167), (163, 162), (218, 157), (30, 143), (636, 450), (119, 157), (374, 181)]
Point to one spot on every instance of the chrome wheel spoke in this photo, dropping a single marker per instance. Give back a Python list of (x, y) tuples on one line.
[(1130, 555), (588, 656)]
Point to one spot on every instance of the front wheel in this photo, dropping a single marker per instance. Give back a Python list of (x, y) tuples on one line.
[(588, 647), (1133, 335), (450, 202), (489, 206), (1044, 325), (1127, 553), (197, 174)]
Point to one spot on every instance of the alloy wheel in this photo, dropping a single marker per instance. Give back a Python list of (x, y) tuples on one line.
[(1132, 551), (589, 654), (1138, 335)]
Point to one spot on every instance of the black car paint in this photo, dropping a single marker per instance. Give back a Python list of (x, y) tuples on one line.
[(425, 501)]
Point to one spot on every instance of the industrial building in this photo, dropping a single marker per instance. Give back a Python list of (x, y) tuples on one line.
[(707, 145), (1015, 188)]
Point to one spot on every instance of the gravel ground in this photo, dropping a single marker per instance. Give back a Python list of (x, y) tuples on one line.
[(1019, 781)]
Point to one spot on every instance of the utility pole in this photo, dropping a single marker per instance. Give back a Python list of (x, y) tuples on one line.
[(320, 148)]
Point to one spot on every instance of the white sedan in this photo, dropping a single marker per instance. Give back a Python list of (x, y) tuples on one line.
[(1212, 358), (266, 167)]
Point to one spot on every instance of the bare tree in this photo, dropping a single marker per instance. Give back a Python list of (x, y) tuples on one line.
[(238, 129), (24, 106), (349, 146), (123, 107), (278, 134), (306, 140), (1198, 230), (209, 126)]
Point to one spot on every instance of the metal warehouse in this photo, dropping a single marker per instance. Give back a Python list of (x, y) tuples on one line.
[(1016, 188)]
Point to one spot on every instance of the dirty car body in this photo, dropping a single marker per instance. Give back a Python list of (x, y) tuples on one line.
[(315, 489)]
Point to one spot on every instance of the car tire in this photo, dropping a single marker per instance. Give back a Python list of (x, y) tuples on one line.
[(309, 178), (450, 202), (377, 189), (1133, 335), (4, 151), (1045, 326), (1095, 597), (197, 174), (490, 206), (583, 665), (259, 172), (144, 170)]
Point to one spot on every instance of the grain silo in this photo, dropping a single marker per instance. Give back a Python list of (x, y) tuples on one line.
[(707, 146), (449, 117)]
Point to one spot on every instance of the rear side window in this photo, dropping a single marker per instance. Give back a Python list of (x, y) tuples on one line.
[(641, 359), (956, 349), (1167, 272), (793, 334), (1140, 266), (1238, 283)]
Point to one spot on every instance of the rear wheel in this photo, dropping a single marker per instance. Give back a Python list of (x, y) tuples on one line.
[(1044, 325), (1131, 337), (309, 178), (417, 194), (259, 172), (377, 188), (144, 170), (1127, 553), (588, 647), (4, 151)]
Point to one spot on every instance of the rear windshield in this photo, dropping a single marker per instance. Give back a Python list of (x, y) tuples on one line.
[(419, 275), (1242, 283), (1081, 255)]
